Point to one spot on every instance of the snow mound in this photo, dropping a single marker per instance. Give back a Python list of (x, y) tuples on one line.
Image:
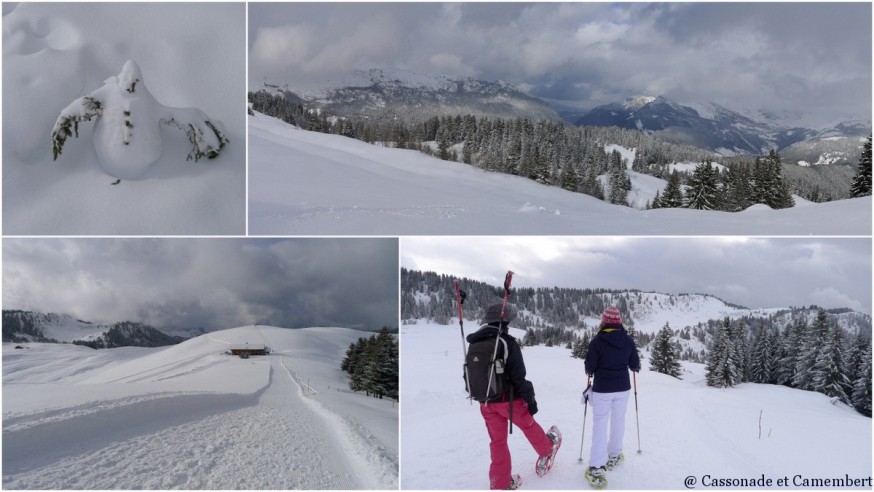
[(193, 54)]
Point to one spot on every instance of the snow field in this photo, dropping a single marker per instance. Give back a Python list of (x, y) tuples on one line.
[(308, 183), (686, 428), (188, 416)]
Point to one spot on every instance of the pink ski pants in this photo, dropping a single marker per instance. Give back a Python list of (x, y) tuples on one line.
[(496, 416)]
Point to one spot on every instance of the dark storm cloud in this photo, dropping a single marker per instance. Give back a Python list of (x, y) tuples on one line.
[(209, 283), (789, 57), (757, 273)]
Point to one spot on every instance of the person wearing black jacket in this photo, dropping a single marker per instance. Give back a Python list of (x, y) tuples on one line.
[(611, 354), (497, 413)]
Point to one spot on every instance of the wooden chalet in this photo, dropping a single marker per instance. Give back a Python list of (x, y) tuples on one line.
[(249, 349)]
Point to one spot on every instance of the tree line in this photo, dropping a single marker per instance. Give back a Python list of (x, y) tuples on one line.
[(782, 348), (372, 365), (817, 356)]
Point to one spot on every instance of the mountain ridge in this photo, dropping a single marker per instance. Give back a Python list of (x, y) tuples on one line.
[(32, 326), (725, 131)]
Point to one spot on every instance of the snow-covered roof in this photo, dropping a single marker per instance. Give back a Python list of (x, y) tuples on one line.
[(249, 347)]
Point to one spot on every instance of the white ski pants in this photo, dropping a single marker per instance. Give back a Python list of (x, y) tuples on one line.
[(607, 407)]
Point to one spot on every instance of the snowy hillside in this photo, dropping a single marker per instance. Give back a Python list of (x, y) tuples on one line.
[(191, 56), (34, 326), (686, 428), (310, 183), (29, 326), (189, 416)]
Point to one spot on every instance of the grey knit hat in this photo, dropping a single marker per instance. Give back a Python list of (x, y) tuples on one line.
[(493, 313)]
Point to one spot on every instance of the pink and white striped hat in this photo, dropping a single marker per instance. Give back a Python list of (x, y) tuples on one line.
[(611, 316)]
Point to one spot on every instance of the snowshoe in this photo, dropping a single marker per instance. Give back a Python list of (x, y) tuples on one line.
[(544, 463), (515, 482), (613, 461), (596, 477)]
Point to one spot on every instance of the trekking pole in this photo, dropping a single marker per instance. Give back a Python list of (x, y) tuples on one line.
[(585, 411), (460, 296), (636, 412), (507, 279)]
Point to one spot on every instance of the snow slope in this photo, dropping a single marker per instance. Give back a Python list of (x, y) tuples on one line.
[(189, 416), (191, 55), (310, 183), (686, 428)]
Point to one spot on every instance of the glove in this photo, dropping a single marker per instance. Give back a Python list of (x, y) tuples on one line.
[(587, 393), (532, 407)]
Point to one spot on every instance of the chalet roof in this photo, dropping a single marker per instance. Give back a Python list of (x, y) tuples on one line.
[(250, 346)]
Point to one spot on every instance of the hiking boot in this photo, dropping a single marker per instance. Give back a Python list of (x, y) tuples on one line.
[(515, 482), (613, 461), (545, 462)]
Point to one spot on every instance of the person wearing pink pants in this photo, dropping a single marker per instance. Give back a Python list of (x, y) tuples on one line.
[(520, 394), (497, 416)]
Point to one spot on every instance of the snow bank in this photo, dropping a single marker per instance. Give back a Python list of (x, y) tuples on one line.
[(192, 54)]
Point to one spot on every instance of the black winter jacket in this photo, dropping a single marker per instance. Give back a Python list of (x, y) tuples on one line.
[(611, 353), (522, 388)]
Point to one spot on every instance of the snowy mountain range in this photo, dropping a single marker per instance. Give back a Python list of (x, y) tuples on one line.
[(390, 95), (729, 132), (410, 96), (30, 326)]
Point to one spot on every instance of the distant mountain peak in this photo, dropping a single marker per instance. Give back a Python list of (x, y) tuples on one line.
[(637, 102), (715, 127)]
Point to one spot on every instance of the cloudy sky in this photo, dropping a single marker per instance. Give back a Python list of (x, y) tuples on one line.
[(813, 58), (209, 283), (756, 273)]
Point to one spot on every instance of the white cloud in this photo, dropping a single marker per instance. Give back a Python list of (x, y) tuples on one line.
[(283, 47), (450, 64)]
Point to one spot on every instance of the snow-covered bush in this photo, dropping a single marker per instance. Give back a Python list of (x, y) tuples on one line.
[(127, 131)]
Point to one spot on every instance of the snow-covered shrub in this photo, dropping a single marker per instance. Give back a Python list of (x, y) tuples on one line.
[(127, 132)]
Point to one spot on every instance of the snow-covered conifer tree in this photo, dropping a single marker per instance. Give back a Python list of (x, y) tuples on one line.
[(809, 350), (861, 396), (790, 347), (673, 195), (702, 191), (127, 132), (862, 181), (828, 372), (665, 356), (721, 368), (763, 362)]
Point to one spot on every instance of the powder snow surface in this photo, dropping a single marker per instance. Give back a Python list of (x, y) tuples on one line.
[(309, 183), (188, 416), (191, 55), (686, 427)]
